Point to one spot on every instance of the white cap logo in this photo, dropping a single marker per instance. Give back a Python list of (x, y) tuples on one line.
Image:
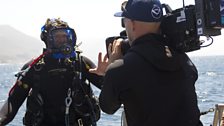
[(156, 12)]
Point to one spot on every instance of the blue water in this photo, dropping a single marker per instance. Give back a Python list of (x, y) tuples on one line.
[(209, 87)]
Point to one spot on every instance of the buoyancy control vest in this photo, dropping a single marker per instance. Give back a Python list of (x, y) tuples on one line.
[(60, 95)]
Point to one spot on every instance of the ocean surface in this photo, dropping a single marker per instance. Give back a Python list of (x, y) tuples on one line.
[(209, 88)]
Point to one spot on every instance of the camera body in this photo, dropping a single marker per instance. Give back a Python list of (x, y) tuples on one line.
[(179, 29), (183, 27)]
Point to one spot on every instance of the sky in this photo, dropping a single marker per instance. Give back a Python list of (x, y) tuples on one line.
[(92, 20)]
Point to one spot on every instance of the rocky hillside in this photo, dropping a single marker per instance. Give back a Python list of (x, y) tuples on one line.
[(16, 46)]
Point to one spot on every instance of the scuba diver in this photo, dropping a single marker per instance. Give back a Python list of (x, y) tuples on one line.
[(56, 84)]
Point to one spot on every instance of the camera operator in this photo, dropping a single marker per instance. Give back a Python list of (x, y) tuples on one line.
[(155, 84)]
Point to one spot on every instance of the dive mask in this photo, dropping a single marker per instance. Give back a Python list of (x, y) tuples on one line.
[(61, 41)]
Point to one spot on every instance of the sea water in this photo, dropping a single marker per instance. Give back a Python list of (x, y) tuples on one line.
[(209, 88)]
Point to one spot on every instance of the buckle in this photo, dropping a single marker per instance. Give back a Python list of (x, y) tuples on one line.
[(80, 123)]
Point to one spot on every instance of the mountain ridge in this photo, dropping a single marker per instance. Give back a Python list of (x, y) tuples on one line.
[(16, 46)]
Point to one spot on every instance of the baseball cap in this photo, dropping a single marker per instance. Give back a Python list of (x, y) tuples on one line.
[(141, 10)]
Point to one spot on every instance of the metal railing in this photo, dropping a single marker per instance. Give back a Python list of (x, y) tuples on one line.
[(218, 115)]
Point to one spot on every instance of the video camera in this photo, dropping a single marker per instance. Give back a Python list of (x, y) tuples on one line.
[(183, 27), (124, 45)]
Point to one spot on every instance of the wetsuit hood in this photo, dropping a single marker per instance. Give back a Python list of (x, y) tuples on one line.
[(153, 49)]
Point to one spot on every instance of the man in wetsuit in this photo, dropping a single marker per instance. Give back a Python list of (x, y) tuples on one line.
[(55, 84), (155, 84)]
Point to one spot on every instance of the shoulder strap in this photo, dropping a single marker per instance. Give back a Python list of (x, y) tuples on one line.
[(88, 95)]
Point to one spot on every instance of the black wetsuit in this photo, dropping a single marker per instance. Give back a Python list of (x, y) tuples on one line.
[(156, 89), (51, 81)]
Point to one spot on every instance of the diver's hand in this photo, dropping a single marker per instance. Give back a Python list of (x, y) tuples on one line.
[(102, 65), (1, 120), (5, 110)]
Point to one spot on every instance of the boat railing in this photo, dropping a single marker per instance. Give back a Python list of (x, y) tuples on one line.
[(218, 115)]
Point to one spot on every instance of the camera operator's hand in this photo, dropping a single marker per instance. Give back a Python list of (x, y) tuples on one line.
[(102, 65), (114, 50)]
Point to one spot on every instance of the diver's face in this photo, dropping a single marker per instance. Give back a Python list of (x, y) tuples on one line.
[(60, 38)]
